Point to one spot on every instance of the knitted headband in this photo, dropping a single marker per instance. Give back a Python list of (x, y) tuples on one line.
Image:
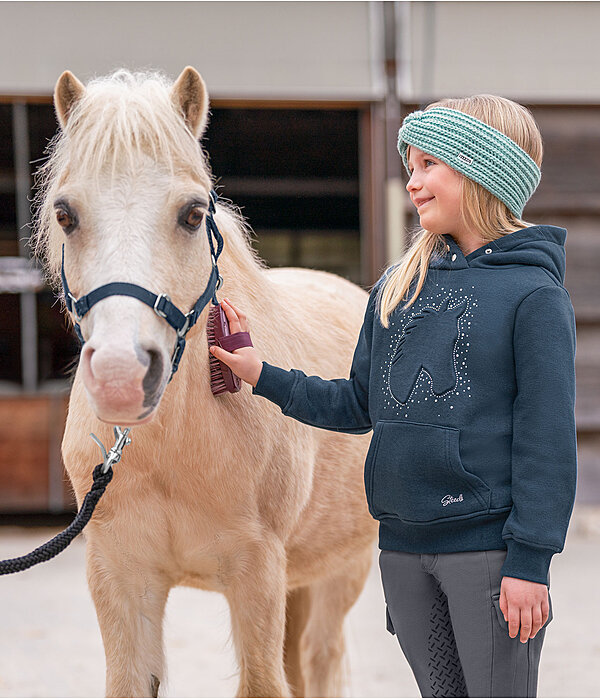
[(476, 150)]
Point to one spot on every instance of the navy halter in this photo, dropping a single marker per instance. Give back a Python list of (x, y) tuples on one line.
[(161, 303)]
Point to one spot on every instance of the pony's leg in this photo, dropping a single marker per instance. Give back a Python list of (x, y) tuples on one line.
[(323, 639), (130, 604), (256, 593), (296, 616)]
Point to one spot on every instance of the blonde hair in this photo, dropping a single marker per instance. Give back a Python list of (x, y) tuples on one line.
[(480, 210)]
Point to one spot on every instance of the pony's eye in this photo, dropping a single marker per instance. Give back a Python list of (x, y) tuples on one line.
[(66, 219), (193, 217)]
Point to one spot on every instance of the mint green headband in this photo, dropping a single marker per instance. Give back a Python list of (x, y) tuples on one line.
[(476, 150)]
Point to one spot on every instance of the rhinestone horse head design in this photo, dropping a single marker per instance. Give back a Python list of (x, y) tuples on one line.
[(427, 343)]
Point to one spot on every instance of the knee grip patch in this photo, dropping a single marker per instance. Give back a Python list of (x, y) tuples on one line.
[(445, 670)]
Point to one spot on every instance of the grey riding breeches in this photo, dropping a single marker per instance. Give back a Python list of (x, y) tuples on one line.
[(445, 611)]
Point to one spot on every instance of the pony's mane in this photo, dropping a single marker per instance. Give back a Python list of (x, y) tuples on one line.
[(121, 117)]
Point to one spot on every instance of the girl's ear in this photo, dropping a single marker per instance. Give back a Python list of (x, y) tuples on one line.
[(190, 97), (67, 92)]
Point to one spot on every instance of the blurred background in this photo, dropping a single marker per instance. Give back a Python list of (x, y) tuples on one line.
[(306, 102)]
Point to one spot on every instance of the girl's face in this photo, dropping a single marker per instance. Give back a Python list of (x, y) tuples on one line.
[(435, 190)]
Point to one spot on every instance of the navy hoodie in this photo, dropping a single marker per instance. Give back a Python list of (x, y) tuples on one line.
[(470, 394)]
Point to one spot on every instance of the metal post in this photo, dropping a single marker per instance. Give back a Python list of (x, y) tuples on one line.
[(394, 189), (28, 299), (429, 54), (372, 191)]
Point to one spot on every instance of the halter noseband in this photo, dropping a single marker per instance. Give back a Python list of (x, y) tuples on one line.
[(161, 303)]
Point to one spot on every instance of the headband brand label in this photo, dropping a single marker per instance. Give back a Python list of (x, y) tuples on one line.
[(465, 158)]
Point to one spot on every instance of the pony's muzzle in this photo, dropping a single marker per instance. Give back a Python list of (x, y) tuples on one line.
[(123, 384)]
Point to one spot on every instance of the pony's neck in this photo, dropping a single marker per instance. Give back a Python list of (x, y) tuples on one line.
[(243, 271)]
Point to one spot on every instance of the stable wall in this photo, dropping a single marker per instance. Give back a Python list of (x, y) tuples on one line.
[(535, 51), (242, 49), (530, 51)]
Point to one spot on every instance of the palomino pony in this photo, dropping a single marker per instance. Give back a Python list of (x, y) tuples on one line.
[(224, 493)]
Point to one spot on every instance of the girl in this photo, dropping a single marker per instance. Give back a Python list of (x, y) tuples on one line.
[(464, 369)]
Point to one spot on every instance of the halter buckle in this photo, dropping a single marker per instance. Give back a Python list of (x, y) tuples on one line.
[(181, 332), (74, 308), (160, 312)]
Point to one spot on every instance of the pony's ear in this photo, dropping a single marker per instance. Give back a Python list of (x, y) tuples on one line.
[(67, 92), (190, 97)]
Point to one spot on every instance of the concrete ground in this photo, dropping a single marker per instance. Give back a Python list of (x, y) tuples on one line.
[(50, 644)]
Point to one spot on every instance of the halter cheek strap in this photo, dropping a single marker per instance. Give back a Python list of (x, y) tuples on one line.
[(161, 303)]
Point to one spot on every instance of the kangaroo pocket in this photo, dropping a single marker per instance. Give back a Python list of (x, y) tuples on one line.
[(413, 472)]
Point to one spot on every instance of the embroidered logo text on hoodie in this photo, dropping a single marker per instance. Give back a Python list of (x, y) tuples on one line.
[(470, 394)]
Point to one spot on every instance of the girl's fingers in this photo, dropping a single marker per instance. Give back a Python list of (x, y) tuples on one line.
[(504, 604), (537, 620), (545, 611), (244, 362), (222, 354), (526, 624), (514, 621), (234, 322), (235, 308), (237, 314)]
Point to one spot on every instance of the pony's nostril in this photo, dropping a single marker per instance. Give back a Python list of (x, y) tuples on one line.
[(86, 357), (143, 356), (153, 375)]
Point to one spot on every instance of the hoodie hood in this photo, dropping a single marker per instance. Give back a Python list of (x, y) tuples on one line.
[(542, 246)]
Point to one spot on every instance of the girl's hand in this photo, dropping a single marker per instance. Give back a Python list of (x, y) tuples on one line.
[(245, 362), (524, 603)]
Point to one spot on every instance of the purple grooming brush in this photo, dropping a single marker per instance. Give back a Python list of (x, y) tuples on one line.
[(222, 379)]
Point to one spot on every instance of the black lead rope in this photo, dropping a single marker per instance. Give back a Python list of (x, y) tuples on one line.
[(101, 475), (63, 539)]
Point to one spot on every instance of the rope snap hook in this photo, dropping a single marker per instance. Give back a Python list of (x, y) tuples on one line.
[(114, 455)]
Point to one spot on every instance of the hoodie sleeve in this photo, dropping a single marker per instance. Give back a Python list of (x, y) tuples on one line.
[(544, 445), (332, 404)]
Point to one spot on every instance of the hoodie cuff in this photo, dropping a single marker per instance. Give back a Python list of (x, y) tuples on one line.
[(527, 562), (275, 384)]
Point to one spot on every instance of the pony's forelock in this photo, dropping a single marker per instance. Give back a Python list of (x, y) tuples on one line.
[(125, 115)]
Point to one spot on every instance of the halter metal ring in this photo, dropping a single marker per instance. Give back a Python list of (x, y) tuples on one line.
[(160, 313), (184, 329), (74, 308)]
